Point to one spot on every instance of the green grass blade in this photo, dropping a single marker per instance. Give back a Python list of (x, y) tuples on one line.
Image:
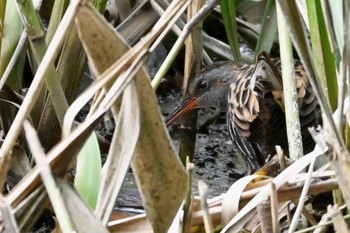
[(269, 28), (228, 12), (58, 10), (321, 48), (11, 32)]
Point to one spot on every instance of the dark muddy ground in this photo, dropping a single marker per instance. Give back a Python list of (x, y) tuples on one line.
[(215, 160)]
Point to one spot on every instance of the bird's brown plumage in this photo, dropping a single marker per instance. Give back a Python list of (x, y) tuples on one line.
[(256, 118), (254, 94)]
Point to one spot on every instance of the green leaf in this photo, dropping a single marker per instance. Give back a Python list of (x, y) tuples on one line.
[(269, 28), (228, 11), (321, 48), (88, 174), (11, 30)]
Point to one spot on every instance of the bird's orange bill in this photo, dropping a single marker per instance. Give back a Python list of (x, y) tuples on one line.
[(182, 109)]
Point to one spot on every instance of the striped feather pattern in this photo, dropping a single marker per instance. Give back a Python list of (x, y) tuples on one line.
[(256, 119)]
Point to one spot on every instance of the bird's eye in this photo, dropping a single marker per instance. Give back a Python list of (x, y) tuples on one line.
[(203, 85), (264, 68)]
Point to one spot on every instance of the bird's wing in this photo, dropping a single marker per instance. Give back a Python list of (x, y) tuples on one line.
[(244, 108), (244, 146)]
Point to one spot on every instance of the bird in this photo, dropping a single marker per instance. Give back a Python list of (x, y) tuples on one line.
[(255, 106), (209, 89)]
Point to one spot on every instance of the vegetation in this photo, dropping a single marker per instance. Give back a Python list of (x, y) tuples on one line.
[(43, 142)]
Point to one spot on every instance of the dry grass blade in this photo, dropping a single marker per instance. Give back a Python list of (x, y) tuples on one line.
[(30, 210), (123, 145), (138, 223), (103, 47), (138, 23), (274, 208), (134, 55), (33, 93), (193, 61), (287, 193), (230, 204), (154, 142), (7, 218), (159, 172), (81, 214), (99, 39), (66, 202), (300, 206), (320, 227), (48, 179), (241, 218)]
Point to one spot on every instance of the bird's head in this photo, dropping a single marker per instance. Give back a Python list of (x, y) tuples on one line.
[(210, 89)]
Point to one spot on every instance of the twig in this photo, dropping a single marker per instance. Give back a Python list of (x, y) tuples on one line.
[(274, 209), (300, 206)]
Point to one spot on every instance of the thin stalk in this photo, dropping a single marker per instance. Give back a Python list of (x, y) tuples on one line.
[(188, 204), (37, 41), (57, 12), (193, 60), (289, 89), (274, 209), (303, 194), (200, 16)]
